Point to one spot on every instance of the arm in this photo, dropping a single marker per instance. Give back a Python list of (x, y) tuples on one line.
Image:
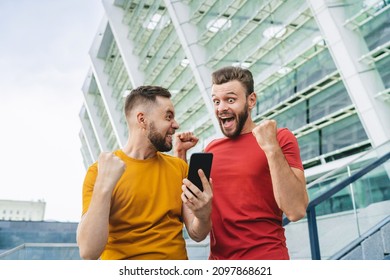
[(183, 142), (289, 184), (197, 208), (92, 231)]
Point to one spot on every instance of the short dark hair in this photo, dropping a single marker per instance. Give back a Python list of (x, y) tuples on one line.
[(144, 95), (231, 73)]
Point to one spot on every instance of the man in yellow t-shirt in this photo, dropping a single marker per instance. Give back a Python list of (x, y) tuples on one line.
[(136, 199)]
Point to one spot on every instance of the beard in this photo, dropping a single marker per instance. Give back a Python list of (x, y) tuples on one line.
[(241, 119), (158, 140)]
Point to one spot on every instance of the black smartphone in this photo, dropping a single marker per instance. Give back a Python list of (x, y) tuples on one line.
[(199, 161)]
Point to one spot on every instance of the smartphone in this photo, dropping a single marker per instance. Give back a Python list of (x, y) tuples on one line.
[(199, 161)]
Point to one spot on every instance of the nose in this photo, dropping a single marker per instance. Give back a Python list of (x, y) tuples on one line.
[(175, 124), (221, 107)]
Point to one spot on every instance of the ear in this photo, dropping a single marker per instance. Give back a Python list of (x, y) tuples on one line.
[(252, 98), (141, 119)]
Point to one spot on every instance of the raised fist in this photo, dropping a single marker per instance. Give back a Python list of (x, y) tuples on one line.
[(265, 134), (110, 169)]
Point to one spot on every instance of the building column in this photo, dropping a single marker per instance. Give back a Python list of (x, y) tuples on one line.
[(106, 91), (361, 80), (187, 33), (89, 135), (89, 100), (88, 158), (125, 45)]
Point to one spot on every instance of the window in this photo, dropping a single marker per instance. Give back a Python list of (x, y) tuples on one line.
[(344, 133), (328, 101), (309, 145)]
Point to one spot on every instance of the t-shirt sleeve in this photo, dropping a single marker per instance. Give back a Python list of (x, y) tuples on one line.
[(88, 185), (289, 144)]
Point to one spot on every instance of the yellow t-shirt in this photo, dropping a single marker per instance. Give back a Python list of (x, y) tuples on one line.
[(146, 207)]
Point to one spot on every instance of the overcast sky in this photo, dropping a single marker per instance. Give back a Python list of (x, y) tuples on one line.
[(44, 60)]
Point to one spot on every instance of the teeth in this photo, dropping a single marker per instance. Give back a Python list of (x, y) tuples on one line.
[(226, 119)]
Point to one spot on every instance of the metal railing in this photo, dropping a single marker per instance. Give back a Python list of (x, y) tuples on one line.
[(334, 185), (42, 251), (311, 211)]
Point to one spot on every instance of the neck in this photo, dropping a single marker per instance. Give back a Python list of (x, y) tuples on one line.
[(248, 126), (139, 149)]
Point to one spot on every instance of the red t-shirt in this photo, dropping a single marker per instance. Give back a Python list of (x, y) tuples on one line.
[(246, 221)]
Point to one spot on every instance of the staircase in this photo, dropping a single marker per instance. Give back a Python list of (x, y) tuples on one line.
[(348, 213), (374, 245)]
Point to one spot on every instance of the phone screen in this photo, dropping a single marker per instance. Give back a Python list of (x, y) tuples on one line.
[(199, 161)]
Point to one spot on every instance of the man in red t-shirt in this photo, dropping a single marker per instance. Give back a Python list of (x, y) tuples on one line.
[(257, 175)]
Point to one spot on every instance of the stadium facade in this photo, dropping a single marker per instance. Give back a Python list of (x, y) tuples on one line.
[(321, 68)]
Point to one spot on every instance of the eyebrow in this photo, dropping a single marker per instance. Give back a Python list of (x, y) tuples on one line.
[(169, 111), (229, 93)]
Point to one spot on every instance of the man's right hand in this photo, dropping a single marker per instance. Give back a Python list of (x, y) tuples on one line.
[(110, 170), (183, 142)]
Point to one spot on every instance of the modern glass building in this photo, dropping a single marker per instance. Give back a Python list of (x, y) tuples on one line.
[(321, 68)]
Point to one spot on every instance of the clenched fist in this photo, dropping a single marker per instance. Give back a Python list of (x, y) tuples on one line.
[(184, 141), (265, 134), (110, 169)]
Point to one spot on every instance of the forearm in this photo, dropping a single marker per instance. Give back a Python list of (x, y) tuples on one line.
[(92, 232), (289, 189), (180, 154), (199, 229)]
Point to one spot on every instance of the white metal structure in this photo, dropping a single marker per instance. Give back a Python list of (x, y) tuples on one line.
[(320, 68)]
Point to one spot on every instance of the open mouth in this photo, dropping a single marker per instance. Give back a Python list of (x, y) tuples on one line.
[(227, 122)]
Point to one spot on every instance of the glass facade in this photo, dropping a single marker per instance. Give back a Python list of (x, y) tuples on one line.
[(29, 240), (177, 44), (320, 70), (16, 233)]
